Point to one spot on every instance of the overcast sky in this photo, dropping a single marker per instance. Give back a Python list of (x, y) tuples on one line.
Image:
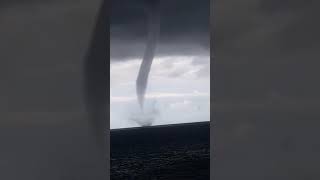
[(179, 81)]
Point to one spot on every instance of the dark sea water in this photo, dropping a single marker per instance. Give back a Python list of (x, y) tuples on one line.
[(163, 152)]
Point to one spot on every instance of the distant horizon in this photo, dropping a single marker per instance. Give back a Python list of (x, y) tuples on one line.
[(163, 125)]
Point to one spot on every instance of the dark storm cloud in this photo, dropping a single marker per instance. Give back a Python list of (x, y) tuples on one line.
[(184, 28), (263, 47)]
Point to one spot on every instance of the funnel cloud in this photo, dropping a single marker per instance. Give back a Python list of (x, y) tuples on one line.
[(153, 34)]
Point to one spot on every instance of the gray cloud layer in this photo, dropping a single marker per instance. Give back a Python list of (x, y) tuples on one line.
[(184, 28)]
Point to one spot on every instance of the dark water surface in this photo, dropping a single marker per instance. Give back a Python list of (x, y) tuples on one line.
[(161, 152)]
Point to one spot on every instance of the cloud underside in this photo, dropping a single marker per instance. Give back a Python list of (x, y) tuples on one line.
[(184, 28)]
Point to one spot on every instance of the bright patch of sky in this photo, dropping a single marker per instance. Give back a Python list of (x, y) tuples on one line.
[(178, 88)]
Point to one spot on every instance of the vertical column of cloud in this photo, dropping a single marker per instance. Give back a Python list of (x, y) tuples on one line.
[(153, 12)]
